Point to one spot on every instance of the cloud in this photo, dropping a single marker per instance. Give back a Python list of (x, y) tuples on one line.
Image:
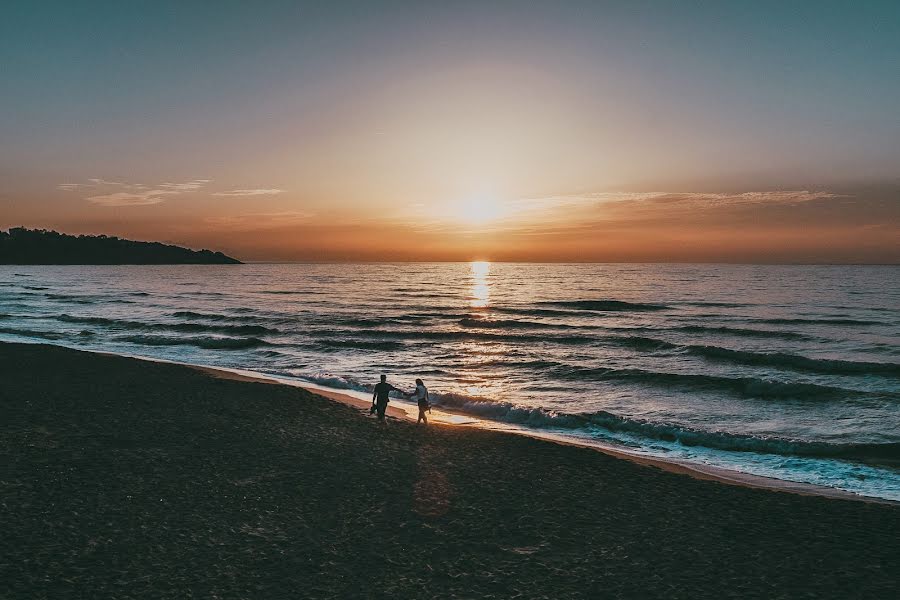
[(120, 193), (687, 199), (131, 199), (251, 192), (196, 184)]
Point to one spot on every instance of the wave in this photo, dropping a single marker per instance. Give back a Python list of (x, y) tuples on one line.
[(779, 360), (68, 298), (606, 305), (361, 344), (641, 343), (506, 324), (889, 452), (738, 331), (800, 321), (529, 365), (182, 327), (282, 292), (532, 312), (369, 323), (236, 329), (541, 418), (751, 387), (793, 361), (47, 335), (454, 336), (210, 343), (718, 304), (337, 382), (191, 315)]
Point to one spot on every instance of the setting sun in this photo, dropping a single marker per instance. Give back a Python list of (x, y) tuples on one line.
[(480, 210)]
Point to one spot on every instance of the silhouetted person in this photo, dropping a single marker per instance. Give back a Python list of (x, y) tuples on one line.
[(421, 396), (380, 396)]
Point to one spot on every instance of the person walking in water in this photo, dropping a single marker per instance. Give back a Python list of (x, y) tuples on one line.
[(380, 397), (421, 395)]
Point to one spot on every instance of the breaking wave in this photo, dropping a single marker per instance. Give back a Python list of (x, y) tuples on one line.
[(540, 418)]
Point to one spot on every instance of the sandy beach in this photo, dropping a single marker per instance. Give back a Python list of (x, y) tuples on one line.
[(125, 478)]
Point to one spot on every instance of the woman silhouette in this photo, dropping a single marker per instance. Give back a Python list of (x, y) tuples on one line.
[(421, 395)]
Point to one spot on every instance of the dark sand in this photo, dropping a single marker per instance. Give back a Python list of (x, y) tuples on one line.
[(124, 478)]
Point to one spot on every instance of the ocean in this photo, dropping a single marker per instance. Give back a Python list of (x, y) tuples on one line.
[(791, 372)]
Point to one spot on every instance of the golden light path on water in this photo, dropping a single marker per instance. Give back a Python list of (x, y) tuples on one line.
[(481, 292), (479, 297)]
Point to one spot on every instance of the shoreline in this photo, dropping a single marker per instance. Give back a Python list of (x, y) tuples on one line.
[(446, 418)]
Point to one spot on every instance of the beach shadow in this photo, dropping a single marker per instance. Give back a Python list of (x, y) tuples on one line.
[(432, 492)]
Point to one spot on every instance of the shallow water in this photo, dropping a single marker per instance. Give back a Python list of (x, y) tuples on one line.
[(784, 371)]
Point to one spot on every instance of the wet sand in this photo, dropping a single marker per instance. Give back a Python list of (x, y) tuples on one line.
[(125, 478)]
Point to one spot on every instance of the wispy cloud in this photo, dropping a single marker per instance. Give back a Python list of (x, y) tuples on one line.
[(250, 192), (120, 193), (696, 200), (132, 198), (188, 186)]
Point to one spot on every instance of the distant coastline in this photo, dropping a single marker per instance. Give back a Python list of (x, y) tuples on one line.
[(21, 246)]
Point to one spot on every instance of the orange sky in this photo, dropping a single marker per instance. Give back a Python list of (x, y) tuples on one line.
[(776, 226)]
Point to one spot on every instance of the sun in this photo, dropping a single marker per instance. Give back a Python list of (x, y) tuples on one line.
[(480, 210)]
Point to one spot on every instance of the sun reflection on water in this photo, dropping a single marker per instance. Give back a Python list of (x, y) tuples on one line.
[(481, 292)]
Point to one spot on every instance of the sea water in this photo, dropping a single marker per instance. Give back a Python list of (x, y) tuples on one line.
[(790, 372)]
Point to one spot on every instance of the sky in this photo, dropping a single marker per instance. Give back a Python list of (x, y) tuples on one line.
[(523, 131)]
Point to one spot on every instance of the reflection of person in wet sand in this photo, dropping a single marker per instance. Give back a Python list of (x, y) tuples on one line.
[(380, 397), (421, 396)]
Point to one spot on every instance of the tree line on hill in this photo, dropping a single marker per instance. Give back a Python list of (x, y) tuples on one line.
[(21, 246)]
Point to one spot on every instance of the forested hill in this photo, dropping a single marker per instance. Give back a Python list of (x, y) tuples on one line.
[(20, 246)]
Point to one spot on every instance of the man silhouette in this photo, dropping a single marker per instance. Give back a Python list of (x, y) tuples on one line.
[(380, 397)]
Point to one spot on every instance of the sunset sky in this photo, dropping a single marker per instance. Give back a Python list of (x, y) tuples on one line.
[(573, 131)]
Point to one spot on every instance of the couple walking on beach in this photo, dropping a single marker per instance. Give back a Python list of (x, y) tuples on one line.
[(380, 398)]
